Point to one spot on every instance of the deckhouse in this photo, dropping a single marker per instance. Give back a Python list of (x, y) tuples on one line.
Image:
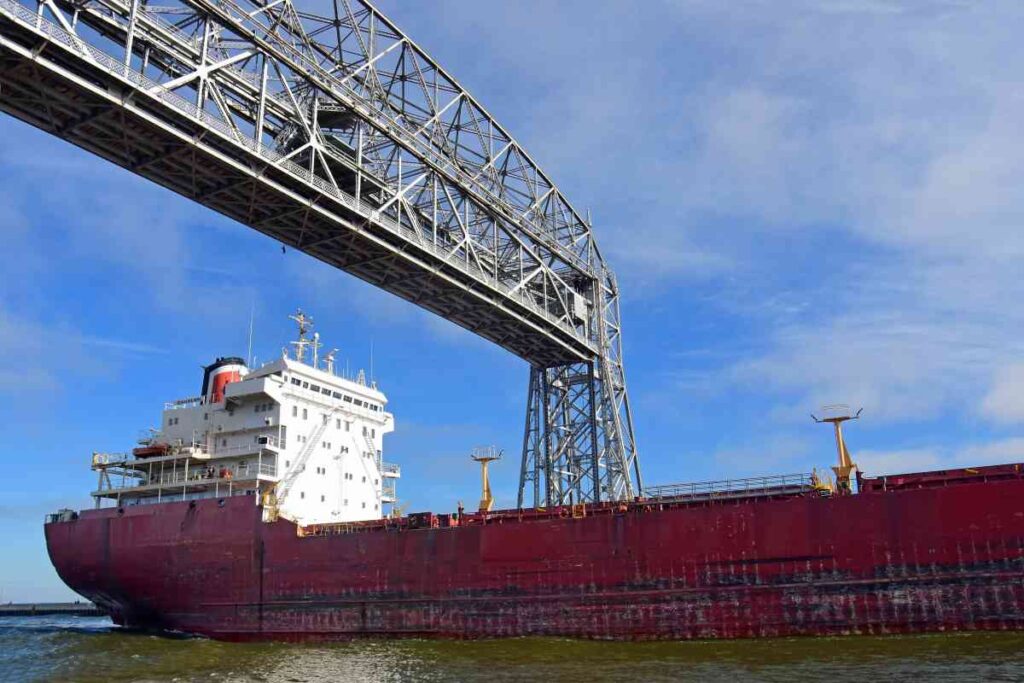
[(307, 441)]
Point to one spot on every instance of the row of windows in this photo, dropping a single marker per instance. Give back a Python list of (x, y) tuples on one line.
[(367, 431), (262, 407), (349, 477), (323, 470), (172, 420), (326, 391), (323, 499)]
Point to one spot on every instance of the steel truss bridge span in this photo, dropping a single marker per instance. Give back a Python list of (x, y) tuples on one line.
[(339, 136)]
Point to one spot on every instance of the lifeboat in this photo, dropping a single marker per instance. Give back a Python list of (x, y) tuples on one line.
[(151, 450)]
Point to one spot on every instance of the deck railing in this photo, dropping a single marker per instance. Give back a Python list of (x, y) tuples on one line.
[(732, 487)]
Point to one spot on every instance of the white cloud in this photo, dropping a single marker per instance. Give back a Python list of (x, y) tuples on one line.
[(1005, 399), (999, 451), (37, 359), (875, 463)]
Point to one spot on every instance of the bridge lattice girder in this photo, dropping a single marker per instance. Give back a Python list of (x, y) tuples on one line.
[(338, 135)]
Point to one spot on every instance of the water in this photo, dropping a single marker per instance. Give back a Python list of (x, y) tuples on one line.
[(91, 649)]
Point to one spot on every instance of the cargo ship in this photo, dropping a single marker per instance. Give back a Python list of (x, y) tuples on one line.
[(262, 509)]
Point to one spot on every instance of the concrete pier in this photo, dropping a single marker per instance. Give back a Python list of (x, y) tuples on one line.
[(81, 609)]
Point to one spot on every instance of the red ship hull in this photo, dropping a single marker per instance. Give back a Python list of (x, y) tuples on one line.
[(949, 556)]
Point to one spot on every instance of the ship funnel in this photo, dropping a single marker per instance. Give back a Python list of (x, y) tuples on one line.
[(219, 374), (837, 415)]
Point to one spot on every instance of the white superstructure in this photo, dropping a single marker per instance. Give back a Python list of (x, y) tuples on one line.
[(307, 442)]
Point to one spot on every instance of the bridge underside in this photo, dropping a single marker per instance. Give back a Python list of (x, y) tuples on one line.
[(335, 134), (50, 88)]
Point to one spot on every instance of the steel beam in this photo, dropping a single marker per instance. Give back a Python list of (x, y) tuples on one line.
[(339, 136)]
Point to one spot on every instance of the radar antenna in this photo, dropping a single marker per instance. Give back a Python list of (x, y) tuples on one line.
[(838, 414), (329, 361), (485, 456)]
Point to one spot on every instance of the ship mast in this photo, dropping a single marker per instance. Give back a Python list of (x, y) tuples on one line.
[(485, 456), (305, 324), (837, 415)]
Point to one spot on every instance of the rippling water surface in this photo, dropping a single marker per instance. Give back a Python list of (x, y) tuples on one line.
[(90, 649)]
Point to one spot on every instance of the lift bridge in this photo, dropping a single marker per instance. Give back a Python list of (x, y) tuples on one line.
[(334, 133)]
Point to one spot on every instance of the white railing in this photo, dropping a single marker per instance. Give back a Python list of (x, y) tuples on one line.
[(190, 402), (197, 474), (731, 487), (109, 458), (272, 442)]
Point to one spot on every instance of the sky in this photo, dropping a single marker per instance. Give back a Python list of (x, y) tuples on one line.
[(805, 203)]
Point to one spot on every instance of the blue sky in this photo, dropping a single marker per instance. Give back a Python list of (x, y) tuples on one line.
[(805, 203)]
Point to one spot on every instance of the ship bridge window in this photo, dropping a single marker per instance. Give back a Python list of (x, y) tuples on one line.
[(295, 381), (305, 385), (305, 414), (295, 411), (315, 387), (358, 403), (347, 399), (336, 394), (337, 423)]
